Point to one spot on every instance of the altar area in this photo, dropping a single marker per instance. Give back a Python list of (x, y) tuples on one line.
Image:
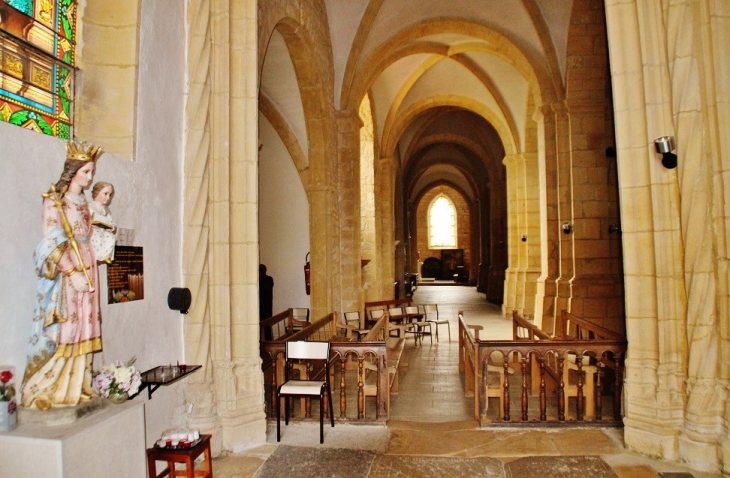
[(110, 442)]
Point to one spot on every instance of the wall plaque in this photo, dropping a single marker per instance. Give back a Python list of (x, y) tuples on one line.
[(125, 275)]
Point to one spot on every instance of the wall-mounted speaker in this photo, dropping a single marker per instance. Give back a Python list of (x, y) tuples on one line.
[(179, 298)]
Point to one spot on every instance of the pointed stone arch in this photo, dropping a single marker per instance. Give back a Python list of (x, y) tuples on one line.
[(307, 43)]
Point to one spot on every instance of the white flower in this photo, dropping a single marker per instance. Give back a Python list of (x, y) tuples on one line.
[(123, 375), (118, 376)]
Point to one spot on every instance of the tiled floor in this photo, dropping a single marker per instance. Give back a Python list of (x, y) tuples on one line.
[(432, 431)]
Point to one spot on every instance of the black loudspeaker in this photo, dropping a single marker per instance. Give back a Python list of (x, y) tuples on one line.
[(179, 298)]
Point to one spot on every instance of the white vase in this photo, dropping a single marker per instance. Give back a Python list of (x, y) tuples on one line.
[(8, 415)]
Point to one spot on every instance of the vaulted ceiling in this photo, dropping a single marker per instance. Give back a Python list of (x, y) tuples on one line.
[(452, 85)]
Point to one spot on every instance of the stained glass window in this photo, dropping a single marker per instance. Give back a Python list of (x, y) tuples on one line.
[(37, 64), (442, 223)]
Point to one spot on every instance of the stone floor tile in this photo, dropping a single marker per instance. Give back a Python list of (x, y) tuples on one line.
[(559, 467), (304, 462), (393, 466), (236, 466), (584, 441), (641, 471)]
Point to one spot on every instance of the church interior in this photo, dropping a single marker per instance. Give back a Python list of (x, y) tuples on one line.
[(576, 146)]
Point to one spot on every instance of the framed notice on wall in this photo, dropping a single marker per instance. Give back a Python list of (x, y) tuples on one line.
[(125, 275)]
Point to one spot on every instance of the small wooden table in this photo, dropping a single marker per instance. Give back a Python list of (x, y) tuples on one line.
[(181, 455)]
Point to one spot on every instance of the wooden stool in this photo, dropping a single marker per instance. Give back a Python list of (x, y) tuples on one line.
[(182, 455)]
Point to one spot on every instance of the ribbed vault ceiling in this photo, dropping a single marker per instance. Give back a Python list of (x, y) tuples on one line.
[(451, 84)]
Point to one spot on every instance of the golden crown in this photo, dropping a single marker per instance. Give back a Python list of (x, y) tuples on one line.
[(83, 151)]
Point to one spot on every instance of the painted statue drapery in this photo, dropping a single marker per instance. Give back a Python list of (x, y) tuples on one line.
[(66, 327)]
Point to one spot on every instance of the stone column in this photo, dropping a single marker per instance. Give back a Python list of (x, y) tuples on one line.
[(368, 235), (384, 193), (517, 235), (524, 234), (495, 212), (222, 271), (242, 407), (564, 209), (200, 133), (652, 243), (348, 154), (532, 259), (324, 217), (547, 292)]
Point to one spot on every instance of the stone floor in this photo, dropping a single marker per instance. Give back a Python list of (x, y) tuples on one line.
[(432, 431)]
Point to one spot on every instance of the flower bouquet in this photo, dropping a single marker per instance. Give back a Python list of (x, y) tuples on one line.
[(8, 406), (118, 381)]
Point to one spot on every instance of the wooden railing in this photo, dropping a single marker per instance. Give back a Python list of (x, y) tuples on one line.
[(347, 365), (523, 329), (574, 327), (542, 376), (278, 325)]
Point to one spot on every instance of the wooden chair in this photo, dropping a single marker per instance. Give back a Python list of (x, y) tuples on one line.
[(396, 322), (374, 315), (307, 351), (431, 312), (419, 323), (352, 324), (299, 318)]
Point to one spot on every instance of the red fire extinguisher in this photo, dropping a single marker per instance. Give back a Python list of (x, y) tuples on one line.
[(307, 273)]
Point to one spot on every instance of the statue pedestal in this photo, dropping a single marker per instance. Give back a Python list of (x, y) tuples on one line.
[(110, 442), (59, 415)]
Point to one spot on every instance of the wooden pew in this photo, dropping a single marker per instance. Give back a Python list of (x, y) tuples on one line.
[(578, 375), (394, 353)]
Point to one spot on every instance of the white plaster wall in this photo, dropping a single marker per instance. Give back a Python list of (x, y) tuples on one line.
[(148, 200), (283, 221)]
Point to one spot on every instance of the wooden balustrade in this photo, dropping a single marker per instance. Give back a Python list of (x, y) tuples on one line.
[(571, 326), (347, 365), (594, 367), (279, 325)]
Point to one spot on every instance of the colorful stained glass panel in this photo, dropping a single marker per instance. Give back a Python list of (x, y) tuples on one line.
[(37, 64)]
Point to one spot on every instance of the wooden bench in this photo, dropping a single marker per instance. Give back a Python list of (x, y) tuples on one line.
[(394, 353), (569, 327)]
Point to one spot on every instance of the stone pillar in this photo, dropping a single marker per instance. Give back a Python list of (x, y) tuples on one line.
[(523, 236), (241, 380), (324, 218), (564, 209), (202, 83), (652, 243), (547, 292), (368, 235), (220, 239), (597, 283), (531, 261), (348, 154), (384, 193), (496, 214), (515, 226)]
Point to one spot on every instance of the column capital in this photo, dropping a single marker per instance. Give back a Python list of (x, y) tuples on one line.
[(348, 120), (512, 159)]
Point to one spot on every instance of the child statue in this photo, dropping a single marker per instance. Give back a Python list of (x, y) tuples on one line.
[(66, 327), (103, 236)]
